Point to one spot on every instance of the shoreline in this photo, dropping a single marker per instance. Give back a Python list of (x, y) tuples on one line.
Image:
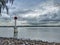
[(25, 41)]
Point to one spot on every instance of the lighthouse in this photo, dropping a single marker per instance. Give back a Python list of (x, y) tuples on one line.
[(15, 27)]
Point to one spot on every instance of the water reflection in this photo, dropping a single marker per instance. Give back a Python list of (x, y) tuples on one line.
[(37, 33), (43, 33)]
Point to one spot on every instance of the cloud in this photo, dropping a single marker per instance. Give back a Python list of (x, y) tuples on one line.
[(41, 11), (57, 3)]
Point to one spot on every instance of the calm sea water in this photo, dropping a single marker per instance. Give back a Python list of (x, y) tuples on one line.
[(37, 33)]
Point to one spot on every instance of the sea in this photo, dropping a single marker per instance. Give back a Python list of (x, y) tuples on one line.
[(51, 34)]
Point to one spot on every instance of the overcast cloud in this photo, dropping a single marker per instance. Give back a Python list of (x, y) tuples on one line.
[(32, 11)]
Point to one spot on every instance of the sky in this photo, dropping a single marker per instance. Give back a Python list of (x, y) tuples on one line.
[(32, 11)]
